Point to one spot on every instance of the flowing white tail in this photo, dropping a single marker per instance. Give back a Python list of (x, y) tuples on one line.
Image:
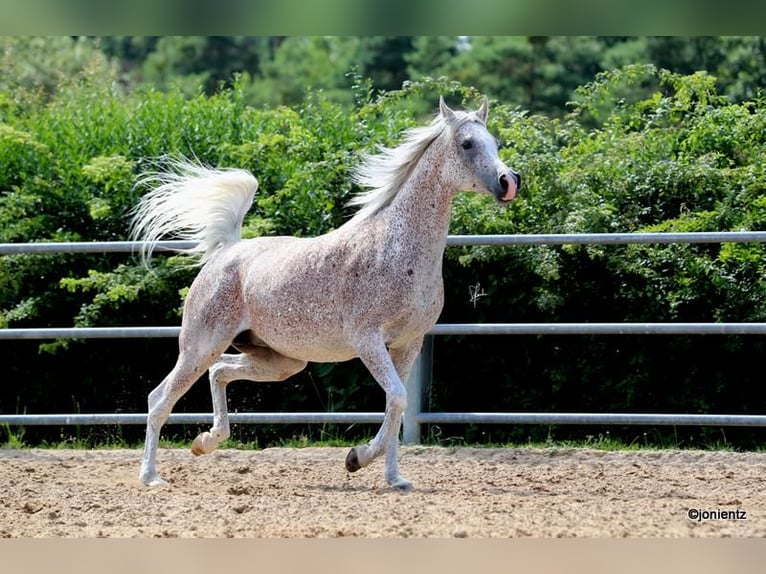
[(192, 202)]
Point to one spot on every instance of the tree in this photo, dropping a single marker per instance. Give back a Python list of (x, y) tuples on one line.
[(301, 64), (383, 60), (537, 73), (743, 72), (431, 55), (193, 62), (33, 68)]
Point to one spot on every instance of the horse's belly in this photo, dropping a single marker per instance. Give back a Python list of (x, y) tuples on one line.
[(306, 346), (321, 338), (321, 355), (305, 330)]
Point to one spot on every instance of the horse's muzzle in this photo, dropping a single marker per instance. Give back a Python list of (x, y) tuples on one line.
[(510, 184)]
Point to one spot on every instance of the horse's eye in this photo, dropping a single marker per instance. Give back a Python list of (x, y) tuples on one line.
[(466, 144)]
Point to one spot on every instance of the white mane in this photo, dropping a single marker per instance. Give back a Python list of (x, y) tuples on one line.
[(384, 173)]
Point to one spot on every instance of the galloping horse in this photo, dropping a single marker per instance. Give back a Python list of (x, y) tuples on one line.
[(370, 289)]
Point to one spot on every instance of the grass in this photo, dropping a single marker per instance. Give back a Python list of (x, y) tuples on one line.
[(15, 438), (113, 438)]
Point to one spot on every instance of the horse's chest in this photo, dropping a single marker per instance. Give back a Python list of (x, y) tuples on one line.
[(411, 299)]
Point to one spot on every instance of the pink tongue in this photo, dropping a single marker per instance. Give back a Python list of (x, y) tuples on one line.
[(511, 193)]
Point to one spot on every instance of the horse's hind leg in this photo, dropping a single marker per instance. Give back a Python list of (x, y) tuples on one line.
[(196, 355), (161, 402), (256, 364)]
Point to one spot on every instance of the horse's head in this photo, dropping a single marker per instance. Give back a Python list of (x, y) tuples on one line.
[(475, 151)]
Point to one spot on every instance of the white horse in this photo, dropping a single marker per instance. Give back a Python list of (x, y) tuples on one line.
[(370, 289)]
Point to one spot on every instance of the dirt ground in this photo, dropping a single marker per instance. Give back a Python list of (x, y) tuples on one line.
[(458, 492)]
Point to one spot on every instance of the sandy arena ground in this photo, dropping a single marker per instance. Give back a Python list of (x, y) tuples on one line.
[(459, 492)]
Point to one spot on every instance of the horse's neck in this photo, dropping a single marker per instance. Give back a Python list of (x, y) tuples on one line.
[(421, 208), (414, 225)]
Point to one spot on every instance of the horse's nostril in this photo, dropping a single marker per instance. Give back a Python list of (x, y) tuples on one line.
[(508, 186)]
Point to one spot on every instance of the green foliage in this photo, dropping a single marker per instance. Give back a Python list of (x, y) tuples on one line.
[(538, 73), (13, 438), (34, 68), (640, 149), (672, 156), (304, 64)]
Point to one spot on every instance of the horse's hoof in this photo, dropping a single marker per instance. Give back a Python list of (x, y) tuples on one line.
[(153, 481), (401, 484), (199, 446), (352, 461), (196, 447)]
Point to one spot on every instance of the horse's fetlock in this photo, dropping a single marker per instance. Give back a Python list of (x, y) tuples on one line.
[(221, 434)]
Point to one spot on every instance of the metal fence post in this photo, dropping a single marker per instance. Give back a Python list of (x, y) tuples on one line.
[(418, 385)]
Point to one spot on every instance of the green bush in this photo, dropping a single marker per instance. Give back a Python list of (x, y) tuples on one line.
[(674, 158), (641, 150)]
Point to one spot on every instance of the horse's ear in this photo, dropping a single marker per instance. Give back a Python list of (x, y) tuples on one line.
[(481, 113), (445, 111)]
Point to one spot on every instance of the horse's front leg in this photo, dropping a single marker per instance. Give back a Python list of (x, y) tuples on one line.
[(390, 370), (403, 359)]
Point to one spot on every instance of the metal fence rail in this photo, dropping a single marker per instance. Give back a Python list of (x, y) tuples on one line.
[(420, 377), (191, 418), (452, 240), (439, 329), (89, 247), (626, 419), (610, 238)]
